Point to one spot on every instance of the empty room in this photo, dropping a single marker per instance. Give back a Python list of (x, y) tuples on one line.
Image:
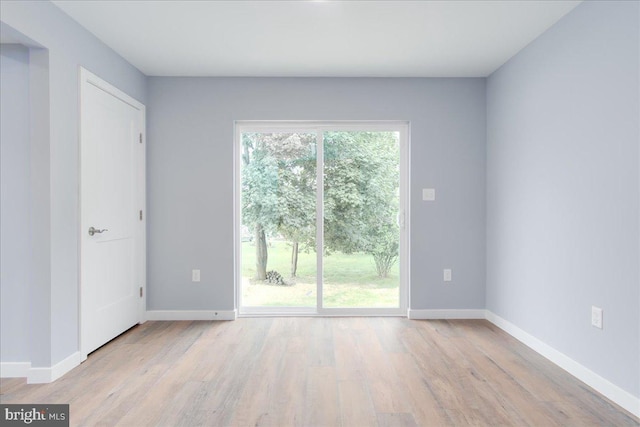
[(320, 213)]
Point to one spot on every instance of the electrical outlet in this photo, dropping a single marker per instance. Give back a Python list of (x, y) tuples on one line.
[(195, 275), (428, 194), (447, 274), (596, 317)]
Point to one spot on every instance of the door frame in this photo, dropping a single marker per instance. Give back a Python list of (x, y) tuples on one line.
[(87, 78), (318, 127)]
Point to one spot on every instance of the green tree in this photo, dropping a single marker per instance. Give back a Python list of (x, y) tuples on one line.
[(295, 154), (259, 197), (361, 189), (278, 184)]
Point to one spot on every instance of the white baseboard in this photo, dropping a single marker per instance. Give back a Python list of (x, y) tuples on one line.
[(14, 369), (47, 375), (621, 397), (446, 314), (191, 315)]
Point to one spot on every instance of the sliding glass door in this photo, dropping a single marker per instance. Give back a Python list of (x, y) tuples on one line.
[(321, 215)]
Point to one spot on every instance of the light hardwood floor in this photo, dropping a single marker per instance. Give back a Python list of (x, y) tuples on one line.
[(320, 372)]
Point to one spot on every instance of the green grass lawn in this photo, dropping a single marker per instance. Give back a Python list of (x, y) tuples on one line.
[(350, 280)]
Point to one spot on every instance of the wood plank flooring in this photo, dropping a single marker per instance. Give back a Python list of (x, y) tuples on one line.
[(320, 372)]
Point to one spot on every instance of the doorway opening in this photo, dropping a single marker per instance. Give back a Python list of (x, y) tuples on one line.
[(321, 214)]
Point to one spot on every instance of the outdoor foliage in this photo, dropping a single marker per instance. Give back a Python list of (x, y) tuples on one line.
[(361, 191), (278, 190), (361, 188)]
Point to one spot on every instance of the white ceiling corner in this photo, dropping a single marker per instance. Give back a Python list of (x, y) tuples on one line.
[(317, 38)]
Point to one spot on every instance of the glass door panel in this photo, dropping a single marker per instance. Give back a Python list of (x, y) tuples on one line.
[(278, 220), (361, 206)]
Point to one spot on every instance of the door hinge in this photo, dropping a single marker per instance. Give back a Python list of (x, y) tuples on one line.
[(140, 215), (140, 138), (140, 291)]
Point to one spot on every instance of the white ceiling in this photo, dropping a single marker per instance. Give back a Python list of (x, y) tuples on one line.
[(317, 38)]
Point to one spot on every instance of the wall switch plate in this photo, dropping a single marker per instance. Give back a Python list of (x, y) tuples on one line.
[(596, 317), (447, 274), (428, 194), (195, 275)]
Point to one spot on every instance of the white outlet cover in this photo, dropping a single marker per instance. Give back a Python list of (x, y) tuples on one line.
[(195, 275), (428, 194), (596, 317), (446, 274)]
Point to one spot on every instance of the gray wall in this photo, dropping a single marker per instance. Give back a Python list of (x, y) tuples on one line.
[(563, 189), (54, 289), (190, 177), (15, 212)]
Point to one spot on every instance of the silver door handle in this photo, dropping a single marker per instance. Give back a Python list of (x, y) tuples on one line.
[(93, 231)]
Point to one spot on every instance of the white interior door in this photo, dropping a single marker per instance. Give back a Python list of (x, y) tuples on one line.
[(112, 199)]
